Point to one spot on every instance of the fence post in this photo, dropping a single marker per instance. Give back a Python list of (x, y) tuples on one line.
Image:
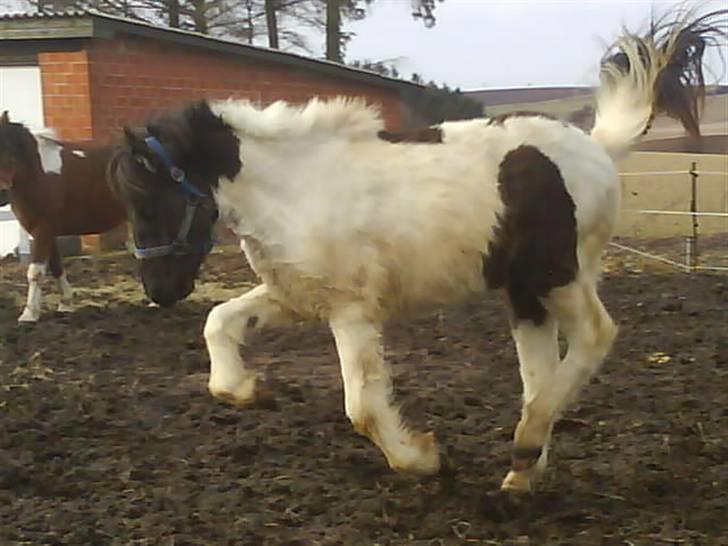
[(691, 250)]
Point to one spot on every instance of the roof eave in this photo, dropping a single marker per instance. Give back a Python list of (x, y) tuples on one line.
[(107, 27), (93, 24), (51, 28)]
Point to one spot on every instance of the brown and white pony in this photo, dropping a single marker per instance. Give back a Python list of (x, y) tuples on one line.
[(55, 188), (343, 225)]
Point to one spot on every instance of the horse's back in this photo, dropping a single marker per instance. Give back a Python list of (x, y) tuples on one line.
[(403, 226)]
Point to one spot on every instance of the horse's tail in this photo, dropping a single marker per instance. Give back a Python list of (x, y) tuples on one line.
[(660, 72)]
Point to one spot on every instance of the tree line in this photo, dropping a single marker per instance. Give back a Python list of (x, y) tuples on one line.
[(283, 22)]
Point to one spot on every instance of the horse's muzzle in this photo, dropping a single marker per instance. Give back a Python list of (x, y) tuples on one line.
[(166, 294)]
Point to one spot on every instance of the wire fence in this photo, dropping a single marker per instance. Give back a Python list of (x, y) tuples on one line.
[(693, 250)]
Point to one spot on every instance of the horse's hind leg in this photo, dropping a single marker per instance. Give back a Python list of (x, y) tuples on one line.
[(227, 327), (36, 270), (55, 264), (367, 392), (538, 355), (589, 331)]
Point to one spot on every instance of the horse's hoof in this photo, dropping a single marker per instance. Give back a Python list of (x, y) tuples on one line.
[(242, 395), (64, 308), (420, 457), (523, 482), (517, 482)]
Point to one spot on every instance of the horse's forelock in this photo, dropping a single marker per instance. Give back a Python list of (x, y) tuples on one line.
[(118, 173), (180, 129)]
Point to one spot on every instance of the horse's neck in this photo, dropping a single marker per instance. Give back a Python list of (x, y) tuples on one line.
[(31, 189), (268, 165), (265, 192)]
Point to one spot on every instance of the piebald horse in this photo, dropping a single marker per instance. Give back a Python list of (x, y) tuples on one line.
[(353, 226), (54, 188)]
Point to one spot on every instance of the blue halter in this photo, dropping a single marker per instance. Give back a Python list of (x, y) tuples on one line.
[(177, 174), (180, 246)]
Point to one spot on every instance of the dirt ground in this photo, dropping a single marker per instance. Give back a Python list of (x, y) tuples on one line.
[(108, 437)]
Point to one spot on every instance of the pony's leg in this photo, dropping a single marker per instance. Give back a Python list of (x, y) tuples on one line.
[(55, 264), (36, 271), (589, 332), (367, 393), (227, 327), (538, 355)]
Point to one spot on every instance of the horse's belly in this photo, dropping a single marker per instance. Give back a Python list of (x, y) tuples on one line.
[(387, 288)]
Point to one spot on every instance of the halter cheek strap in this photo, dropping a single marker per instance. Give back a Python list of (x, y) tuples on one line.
[(180, 246)]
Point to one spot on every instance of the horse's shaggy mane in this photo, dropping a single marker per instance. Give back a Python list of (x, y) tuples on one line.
[(343, 117)]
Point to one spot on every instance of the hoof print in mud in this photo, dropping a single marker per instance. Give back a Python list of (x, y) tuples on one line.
[(264, 399), (502, 506)]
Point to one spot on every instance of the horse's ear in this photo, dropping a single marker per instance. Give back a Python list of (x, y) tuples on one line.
[(129, 135), (4, 118), (134, 141)]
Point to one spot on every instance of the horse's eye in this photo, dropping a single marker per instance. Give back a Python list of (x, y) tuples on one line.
[(144, 162)]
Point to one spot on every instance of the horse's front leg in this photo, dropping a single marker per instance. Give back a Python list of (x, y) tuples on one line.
[(36, 270), (55, 264), (227, 327), (367, 396)]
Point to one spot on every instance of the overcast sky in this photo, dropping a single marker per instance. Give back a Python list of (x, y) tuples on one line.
[(501, 43)]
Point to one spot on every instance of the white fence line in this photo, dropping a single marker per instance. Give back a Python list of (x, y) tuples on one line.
[(672, 173), (649, 255), (677, 212), (691, 241)]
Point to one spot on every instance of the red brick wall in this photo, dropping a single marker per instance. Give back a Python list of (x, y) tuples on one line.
[(132, 77), (66, 90)]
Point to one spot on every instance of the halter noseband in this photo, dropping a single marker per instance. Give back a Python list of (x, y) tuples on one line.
[(180, 246)]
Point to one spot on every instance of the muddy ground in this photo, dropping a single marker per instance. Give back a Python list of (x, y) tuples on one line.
[(108, 438)]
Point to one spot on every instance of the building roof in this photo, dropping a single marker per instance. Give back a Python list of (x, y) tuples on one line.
[(85, 24), (515, 95)]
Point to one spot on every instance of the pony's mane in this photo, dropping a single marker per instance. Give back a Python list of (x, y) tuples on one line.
[(45, 133), (343, 117)]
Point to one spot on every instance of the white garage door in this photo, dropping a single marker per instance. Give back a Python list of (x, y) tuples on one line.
[(21, 95)]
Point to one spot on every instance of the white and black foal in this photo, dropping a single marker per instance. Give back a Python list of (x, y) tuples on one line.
[(349, 224)]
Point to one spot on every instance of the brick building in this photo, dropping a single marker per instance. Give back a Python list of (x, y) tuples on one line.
[(87, 74), (99, 72)]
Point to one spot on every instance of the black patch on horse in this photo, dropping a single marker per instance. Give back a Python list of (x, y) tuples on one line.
[(534, 249), (426, 135)]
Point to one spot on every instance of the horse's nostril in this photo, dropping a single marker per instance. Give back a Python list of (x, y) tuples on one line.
[(163, 298)]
